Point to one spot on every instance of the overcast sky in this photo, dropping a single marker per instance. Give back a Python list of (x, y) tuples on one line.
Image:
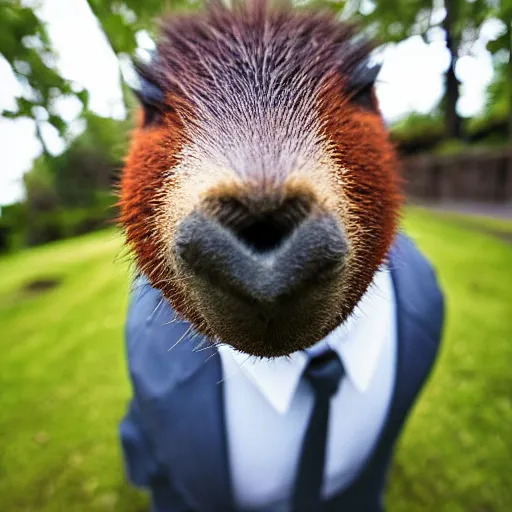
[(410, 80)]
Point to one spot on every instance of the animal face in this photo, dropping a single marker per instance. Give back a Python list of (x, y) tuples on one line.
[(260, 192)]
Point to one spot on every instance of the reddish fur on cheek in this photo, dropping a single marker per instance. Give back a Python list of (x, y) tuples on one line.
[(148, 171), (367, 180)]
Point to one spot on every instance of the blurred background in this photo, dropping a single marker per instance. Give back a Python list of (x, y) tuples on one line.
[(445, 91)]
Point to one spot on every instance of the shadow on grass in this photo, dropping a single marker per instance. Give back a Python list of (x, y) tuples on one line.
[(40, 285)]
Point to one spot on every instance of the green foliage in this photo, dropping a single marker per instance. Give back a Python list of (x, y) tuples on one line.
[(71, 193), (64, 381), (395, 20), (24, 43), (122, 20), (499, 93), (13, 224), (91, 163), (425, 132), (417, 126), (450, 147), (107, 137), (497, 102), (67, 222)]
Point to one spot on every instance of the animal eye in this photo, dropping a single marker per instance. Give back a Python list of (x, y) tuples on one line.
[(361, 85), (151, 98)]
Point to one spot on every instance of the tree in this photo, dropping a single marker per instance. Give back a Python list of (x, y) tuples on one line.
[(122, 21), (25, 45), (460, 20), (500, 91), (71, 193)]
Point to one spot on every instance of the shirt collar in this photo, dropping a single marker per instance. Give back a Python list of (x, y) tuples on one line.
[(358, 342)]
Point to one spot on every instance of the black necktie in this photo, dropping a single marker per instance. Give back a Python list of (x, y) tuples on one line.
[(324, 373)]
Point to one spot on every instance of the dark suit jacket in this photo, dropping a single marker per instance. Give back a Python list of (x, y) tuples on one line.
[(174, 436)]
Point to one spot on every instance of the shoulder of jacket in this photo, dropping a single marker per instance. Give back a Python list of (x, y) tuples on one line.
[(417, 286)]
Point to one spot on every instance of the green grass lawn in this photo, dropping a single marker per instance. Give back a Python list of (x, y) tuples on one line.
[(64, 386)]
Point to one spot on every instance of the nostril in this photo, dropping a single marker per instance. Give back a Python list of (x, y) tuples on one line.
[(264, 234), (262, 231)]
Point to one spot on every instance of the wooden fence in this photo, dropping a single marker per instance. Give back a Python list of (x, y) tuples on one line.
[(475, 176)]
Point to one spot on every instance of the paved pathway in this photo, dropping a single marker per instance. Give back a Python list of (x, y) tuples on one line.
[(496, 210)]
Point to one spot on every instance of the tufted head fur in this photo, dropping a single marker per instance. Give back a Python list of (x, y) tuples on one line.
[(262, 106)]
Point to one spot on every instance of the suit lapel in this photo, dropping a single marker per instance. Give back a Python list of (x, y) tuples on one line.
[(416, 343), (181, 395), (199, 438)]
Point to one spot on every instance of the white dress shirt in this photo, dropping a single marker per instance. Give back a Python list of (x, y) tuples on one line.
[(268, 405)]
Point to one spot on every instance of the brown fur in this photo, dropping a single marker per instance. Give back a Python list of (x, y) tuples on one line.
[(258, 104)]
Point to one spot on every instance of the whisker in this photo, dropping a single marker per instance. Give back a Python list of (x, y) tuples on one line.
[(210, 356), (181, 338), (210, 345), (157, 306)]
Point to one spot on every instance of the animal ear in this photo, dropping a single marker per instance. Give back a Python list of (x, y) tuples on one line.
[(361, 85), (150, 95)]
